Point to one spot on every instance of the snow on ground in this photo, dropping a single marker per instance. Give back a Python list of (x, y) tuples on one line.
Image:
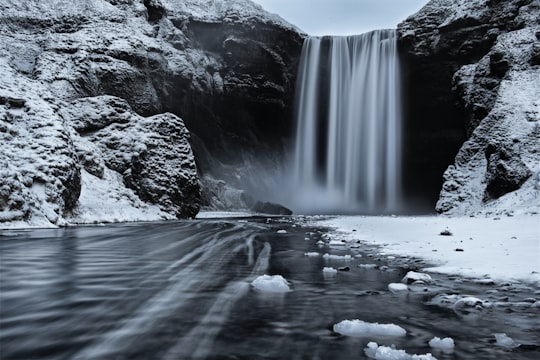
[(505, 248), (107, 200)]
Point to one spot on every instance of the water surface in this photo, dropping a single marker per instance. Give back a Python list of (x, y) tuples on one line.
[(181, 290)]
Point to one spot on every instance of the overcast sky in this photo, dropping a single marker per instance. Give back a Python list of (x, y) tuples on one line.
[(342, 17)]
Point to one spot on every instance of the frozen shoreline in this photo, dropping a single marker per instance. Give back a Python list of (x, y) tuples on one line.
[(505, 248)]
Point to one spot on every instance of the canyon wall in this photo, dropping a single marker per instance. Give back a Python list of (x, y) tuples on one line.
[(97, 96), (473, 94)]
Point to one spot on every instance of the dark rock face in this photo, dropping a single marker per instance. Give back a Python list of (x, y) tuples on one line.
[(505, 172), (463, 60), (271, 208)]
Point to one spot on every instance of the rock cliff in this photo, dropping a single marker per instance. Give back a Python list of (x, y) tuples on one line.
[(93, 93), (473, 90)]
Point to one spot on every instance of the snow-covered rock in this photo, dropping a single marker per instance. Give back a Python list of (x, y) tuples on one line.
[(413, 277), (361, 328), (116, 72), (474, 72)]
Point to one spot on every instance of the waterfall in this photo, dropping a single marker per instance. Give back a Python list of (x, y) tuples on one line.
[(347, 155)]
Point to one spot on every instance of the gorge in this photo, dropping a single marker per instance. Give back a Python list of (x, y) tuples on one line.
[(82, 81)]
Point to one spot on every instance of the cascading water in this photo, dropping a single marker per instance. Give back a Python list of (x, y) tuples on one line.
[(348, 147)]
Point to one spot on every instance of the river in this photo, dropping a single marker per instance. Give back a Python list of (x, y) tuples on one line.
[(182, 290)]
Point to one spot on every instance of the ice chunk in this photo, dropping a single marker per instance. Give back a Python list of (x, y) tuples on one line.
[(398, 287), (329, 271), (337, 257), (374, 351), (362, 328), (445, 344), (504, 340), (311, 254), (272, 284), (282, 231), (412, 277), (367, 266)]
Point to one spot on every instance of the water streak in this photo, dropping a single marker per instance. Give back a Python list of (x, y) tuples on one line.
[(348, 146)]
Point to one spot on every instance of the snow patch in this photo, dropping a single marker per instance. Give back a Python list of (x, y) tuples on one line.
[(506, 249), (107, 200)]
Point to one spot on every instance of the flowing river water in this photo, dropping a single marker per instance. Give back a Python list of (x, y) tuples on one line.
[(182, 290)]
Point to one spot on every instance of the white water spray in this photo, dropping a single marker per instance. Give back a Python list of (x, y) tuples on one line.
[(347, 156)]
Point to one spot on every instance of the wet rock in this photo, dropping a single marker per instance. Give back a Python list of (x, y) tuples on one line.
[(270, 208)]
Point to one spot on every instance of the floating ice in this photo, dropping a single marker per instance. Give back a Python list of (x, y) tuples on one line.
[(398, 287), (362, 328), (374, 351), (273, 284), (442, 344), (337, 257), (312, 254), (504, 340), (412, 277), (329, 271), (367, 266), (282, 231)]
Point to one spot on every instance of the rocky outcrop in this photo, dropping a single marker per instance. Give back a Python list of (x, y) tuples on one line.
[(152, 153), (98, 89), (473, 94)]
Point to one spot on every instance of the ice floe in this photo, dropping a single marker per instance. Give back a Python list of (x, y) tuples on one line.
[(337, 257), (446, 344), (271, 284), (329, 271), (505, 341), (359, 328), (374, 351), (398, 288)]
